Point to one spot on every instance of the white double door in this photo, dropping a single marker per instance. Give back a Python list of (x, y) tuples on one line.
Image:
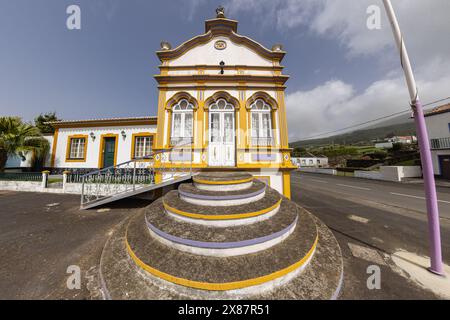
[(221, 139)]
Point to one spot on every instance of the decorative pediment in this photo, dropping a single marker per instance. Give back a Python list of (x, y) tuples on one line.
[(221, 27)]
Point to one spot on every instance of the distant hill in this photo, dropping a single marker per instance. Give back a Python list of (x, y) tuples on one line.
[(400, 126)]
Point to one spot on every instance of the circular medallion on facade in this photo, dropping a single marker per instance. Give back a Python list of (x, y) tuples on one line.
[(220, 45)]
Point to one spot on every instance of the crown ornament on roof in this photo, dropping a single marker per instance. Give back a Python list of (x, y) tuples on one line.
[(220, 12)]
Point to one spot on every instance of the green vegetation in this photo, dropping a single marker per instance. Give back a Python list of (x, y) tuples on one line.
[(19, 138), (40, 122), (361, 137)]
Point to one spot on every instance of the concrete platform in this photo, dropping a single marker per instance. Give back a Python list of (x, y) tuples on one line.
[(122, 279), (156, 216), (271, 199), (222, 177)]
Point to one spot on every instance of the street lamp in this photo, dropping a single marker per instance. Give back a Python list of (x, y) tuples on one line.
[(434, 232)]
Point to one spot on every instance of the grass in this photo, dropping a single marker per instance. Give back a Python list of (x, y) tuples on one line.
[(405, 163)]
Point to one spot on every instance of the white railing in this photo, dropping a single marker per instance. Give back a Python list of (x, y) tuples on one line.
[(136, 174), (440, 143)]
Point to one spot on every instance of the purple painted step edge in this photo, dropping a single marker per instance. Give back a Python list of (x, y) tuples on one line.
[(220, 245), (227, 197)]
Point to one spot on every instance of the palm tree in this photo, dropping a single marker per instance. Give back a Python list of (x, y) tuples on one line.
[(19, 138)]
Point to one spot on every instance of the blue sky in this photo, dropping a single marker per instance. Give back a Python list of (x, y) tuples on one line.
[(341, 72)]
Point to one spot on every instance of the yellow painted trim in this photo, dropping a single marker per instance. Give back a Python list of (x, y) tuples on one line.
[(161, 120), (102, 144), (225, 285), (287, 184), (268, 177), (222, 182), (54, 146), (221, 217), (100, 123), (69, 139), (142, 134)]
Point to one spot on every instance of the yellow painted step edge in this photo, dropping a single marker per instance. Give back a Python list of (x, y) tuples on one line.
[(221, 217), (222, 182), (221, 286)]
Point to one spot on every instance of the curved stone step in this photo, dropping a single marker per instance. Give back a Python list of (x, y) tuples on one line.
[(223, 181), (189, 193), (122, 280), (223, 216), (247, 274), (217, 241)]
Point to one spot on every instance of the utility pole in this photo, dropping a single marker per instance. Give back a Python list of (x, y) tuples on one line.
[(434, 232)]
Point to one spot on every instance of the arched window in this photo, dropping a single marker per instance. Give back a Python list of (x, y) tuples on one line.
[(182, 122), (261, 123)]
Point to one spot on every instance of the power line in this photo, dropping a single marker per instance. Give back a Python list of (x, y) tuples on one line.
[(371, 121)]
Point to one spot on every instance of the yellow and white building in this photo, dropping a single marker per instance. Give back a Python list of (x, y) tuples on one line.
[(220, 92)]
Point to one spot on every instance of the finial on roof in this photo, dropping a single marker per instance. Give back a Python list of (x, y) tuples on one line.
[(220, 12), (165, 45), (277, 47)]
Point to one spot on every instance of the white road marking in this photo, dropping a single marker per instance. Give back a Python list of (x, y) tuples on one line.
[(322, 181), (416, 197), (354, 187), (358, 219)]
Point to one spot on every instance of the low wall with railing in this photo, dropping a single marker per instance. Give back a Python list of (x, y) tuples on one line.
[(319, 170)]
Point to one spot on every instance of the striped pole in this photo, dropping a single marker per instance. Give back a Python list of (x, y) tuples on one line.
[(424, 145)]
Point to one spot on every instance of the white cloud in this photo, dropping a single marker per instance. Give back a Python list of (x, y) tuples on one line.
[(335, 105)]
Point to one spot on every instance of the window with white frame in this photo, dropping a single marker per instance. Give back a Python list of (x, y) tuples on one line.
[(182, 122), (142, 146), (261, 123), (77, 148)]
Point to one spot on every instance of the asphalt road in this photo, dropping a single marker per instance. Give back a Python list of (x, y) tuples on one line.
[(383, 216), (42, 234)]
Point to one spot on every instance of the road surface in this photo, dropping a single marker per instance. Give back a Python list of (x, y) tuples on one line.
[(382, 216)]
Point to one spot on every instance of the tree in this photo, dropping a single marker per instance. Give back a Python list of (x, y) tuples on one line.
[(19, 138), (40, 122)]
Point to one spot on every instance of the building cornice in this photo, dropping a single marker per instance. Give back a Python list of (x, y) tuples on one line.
[(107, 122), (278, 79)]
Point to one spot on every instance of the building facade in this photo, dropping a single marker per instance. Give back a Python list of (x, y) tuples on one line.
[(220, 93), (89, 145), (438, 125), (226, 93)]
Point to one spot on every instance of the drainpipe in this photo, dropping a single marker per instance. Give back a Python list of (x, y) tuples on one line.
[(424, 145)]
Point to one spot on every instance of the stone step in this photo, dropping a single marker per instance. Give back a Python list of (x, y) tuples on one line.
[(221, 215), (189, 193), (219, 241), (223, 181), (246, 274), (122, 280)]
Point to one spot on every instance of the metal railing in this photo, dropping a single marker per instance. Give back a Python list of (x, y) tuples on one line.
[(135, 175), (440, 143), (21, 176), (262, 141)]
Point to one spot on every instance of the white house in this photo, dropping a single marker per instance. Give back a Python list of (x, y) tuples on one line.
[(221, 92), (311, 161), (100, 143), (438, 125)]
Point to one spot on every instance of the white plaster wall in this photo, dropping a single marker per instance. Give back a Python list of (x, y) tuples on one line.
[(93, 147), (234, 54), (437, 125), (434, 156), (271, 93)]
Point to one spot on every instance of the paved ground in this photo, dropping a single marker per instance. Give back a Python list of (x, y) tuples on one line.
[(41, 235), (382, 216)]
